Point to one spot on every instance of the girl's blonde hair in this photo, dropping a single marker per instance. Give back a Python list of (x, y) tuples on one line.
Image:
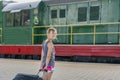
[(51, 29)]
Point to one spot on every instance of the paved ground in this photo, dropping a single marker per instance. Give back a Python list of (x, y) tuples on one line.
[(64, 70)]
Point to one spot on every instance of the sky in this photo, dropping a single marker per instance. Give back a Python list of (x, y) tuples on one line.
[(22, 1)]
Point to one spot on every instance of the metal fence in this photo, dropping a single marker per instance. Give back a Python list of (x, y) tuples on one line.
[(97, 33)]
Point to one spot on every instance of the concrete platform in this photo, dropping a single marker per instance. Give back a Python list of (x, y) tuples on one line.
[(64, 70)]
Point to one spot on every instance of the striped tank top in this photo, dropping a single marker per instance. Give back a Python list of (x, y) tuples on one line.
[(45, 50)]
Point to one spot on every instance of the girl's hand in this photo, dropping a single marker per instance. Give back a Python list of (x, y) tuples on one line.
[(45, 68)]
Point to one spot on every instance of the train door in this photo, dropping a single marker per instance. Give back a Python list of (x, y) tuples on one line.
[(57, 15)]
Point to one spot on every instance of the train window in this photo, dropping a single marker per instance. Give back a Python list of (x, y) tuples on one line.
[(53, 13), (82, 14), (62, 13), (94, 13), (16, 21), (26, 18), (9, 19)]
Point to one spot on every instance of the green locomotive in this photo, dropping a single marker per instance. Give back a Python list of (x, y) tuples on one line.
[(77, 21), (88, 30)]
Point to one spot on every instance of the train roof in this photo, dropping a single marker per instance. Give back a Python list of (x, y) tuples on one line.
[(16, 7), (56, 2)]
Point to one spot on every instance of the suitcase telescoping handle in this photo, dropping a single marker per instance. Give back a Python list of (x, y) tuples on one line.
[(41, 70)]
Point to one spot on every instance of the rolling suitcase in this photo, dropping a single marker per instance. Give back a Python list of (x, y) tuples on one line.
[(21, 76)]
